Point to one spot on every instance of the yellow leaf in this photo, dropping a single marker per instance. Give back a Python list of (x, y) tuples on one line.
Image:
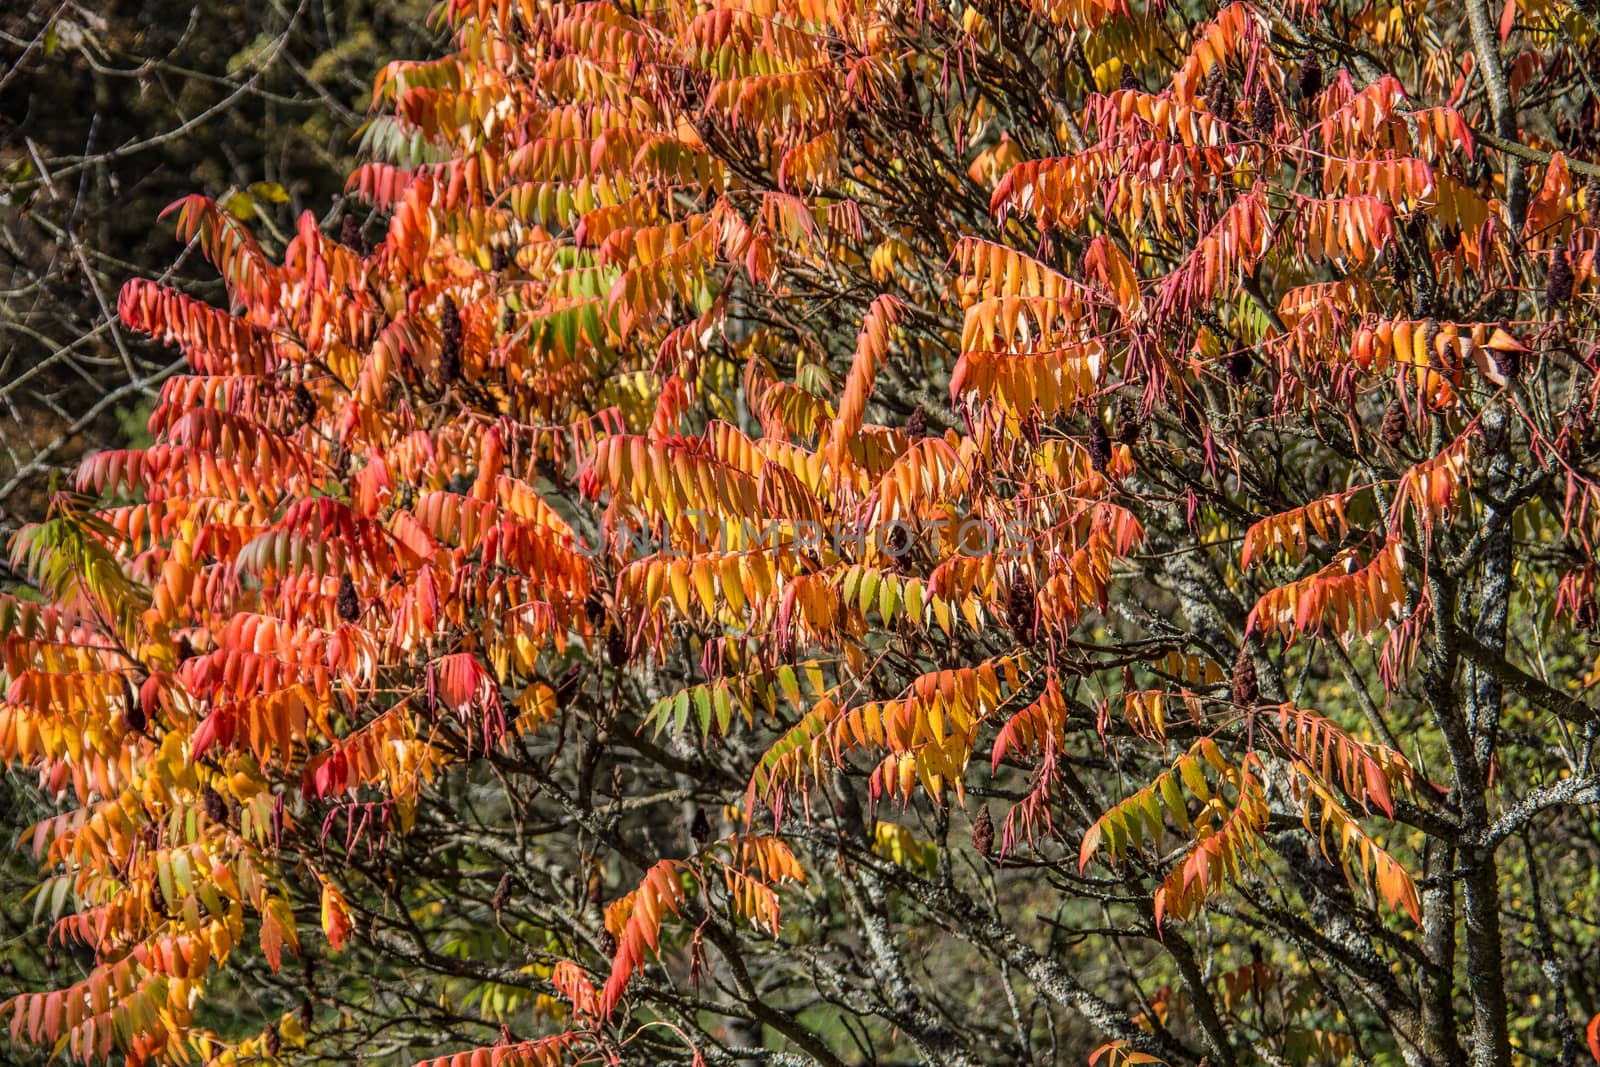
[(241, 205), (271, 192)]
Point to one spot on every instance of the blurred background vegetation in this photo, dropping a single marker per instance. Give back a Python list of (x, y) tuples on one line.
[(110, 111)]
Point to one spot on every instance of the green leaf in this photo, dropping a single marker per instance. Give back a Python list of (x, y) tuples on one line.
[(914, 600), (680, 708), (869, 591), (788, 684), (1174, 800), (1151, 810), (702, 704), (1193, 778), (888, 599)]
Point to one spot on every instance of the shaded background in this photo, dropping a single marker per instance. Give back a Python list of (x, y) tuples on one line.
[(108, 113)]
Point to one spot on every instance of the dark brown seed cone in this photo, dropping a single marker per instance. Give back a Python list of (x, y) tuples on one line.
[(617, 651), (897, 541), (502, 893), (450, 366), (1558, 279), (135, 717), (1509, 364), (350, 236), (305, 405), (1263, 113), (1129, 428), (216, 808), (917, 424), (594, 609), (1416, 229), (700, 827), (1219, 94), (450, 345), (1130, 80), (499, 260), (348, 603), (1239, 366), (983, 833), (1393, 431), (1422, 300), (185, 650), (1099, 446), (608, 944), (1310, 77), (271, 1041), (450, 321), (1022, 610), (568, 685), (1246, 692)]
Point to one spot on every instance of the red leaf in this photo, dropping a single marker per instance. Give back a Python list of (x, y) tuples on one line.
[(216, 728)]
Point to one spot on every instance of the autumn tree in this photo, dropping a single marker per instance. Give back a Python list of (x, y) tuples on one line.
[(831, 533)]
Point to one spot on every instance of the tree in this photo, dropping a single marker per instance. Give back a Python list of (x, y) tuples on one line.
[(107, 113), (588, 603)]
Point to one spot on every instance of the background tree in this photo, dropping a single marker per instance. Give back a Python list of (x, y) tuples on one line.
[(586, 602)]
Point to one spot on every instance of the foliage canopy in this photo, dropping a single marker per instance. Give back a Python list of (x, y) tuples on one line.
[(832, 531)]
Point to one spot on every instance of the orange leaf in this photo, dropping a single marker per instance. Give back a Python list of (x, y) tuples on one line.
[(336, 922)]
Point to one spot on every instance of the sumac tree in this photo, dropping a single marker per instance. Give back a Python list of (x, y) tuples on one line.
[(850, 532)]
